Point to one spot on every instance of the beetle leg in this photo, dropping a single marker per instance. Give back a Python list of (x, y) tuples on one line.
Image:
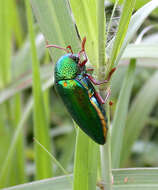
[(100, 82), (94, 81), (100, 99), (83, 51), (110, 73), (89, 69)]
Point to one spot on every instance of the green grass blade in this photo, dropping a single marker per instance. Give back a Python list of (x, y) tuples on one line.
[(52, 157), (142, 50), (57, 28), (121, 114), (85, 17), (106, 160), (24, 56), (25, 82), (16, 135), (5, 39), (14, 142), (138, 114), (20, 155), (41, 131), (111, 17), (101, 23), (85, 166), (58, 183), (122, 30), (16, 25), (124, 179), (137, 19), (67, 154)]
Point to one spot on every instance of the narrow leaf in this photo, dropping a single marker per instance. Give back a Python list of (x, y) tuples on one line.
[(41, 131), (121, 114)]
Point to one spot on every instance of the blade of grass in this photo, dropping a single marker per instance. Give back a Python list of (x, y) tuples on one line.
[(141, 51), (85, 166), (122, 30), (124, 179), (101, 23), (14, 142), (6, 14), (52, 157), (16, 25), (106, 157), (136, 21), (67, 154), (106, 149), (5, 39), (85, 17), (138, 114), (41, 131), (59, 28), (121, 114), (111, 18), (24, 82), (16, 135), (19, 163), (24, 56)]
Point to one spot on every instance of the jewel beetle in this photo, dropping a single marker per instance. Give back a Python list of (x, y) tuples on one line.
[(75, 87)]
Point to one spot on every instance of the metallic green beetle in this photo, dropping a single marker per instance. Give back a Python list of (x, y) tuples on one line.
[(74, 85)]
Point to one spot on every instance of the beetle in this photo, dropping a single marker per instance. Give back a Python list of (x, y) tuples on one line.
[(75, 87)]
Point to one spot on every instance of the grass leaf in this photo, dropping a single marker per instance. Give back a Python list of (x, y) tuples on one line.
[(41, 131), (122, 30), (121, 114), (138, 114)]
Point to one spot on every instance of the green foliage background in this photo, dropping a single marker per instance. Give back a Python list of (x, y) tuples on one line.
[(38, 139)]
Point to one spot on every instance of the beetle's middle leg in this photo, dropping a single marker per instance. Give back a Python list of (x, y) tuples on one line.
[(100, 82), (100, 99), (94, 81)]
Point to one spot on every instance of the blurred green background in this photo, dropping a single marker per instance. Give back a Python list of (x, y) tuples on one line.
[(51, 124)]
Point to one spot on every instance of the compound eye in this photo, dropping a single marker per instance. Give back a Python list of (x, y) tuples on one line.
[(75, 58)]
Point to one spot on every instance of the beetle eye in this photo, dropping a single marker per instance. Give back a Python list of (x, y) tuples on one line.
[(75, 58)]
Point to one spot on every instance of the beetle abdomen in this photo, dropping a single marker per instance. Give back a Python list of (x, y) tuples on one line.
[(84, 109)]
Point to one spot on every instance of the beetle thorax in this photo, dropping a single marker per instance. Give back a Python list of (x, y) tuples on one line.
[(66, 68)]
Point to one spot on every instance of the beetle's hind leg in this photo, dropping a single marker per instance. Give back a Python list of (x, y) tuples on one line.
[(100, 99)]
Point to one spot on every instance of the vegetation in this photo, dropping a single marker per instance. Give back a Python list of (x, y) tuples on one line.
[(38, 138)]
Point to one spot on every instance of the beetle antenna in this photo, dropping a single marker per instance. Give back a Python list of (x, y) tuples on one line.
[(83, 51), (58, 47), (83, 44)]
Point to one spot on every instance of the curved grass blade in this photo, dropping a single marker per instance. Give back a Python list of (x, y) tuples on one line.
[(136, 21), (21, 61), (142, 50), (24, 82), (124, 179), (138, 114), (122, 30), (121, 114), (12, 148)]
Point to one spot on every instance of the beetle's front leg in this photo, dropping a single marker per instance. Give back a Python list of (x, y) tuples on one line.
[(100, 99)]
